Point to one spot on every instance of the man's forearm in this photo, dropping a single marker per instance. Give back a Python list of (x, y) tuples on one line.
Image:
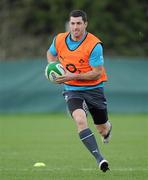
[(91, 75)]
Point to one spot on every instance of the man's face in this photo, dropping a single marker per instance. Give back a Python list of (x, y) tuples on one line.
[(77, 27)]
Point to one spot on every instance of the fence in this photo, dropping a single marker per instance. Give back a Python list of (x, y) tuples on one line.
[(24, 88)]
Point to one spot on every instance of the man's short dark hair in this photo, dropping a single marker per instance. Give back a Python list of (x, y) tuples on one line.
[(78, 13)]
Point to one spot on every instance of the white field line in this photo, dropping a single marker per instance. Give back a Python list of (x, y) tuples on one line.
[(117, 169), (71, 169)]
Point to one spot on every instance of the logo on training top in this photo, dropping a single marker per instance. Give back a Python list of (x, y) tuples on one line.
[(71, 67), (81, 61)]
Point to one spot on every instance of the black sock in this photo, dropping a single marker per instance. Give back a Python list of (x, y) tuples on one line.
[(88, 138)]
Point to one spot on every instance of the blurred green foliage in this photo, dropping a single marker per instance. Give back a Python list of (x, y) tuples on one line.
[(28, 26)]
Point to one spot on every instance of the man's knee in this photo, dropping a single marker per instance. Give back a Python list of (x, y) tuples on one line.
[(80, 118)]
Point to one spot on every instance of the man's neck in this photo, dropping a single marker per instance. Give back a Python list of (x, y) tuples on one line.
[(77, 38)]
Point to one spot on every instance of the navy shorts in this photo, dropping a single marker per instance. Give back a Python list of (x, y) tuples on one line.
[(92, 101)]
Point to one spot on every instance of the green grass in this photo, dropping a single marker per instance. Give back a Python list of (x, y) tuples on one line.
[(52, 138)]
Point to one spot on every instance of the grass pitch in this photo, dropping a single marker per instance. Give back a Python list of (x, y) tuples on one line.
[(52, 139)]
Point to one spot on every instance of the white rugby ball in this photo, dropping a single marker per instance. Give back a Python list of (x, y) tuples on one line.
[(54, 70)]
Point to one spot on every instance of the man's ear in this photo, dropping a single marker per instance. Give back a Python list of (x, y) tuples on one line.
[(86, 24)]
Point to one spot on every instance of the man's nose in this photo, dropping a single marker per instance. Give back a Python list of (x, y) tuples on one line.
[(75, 25)]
